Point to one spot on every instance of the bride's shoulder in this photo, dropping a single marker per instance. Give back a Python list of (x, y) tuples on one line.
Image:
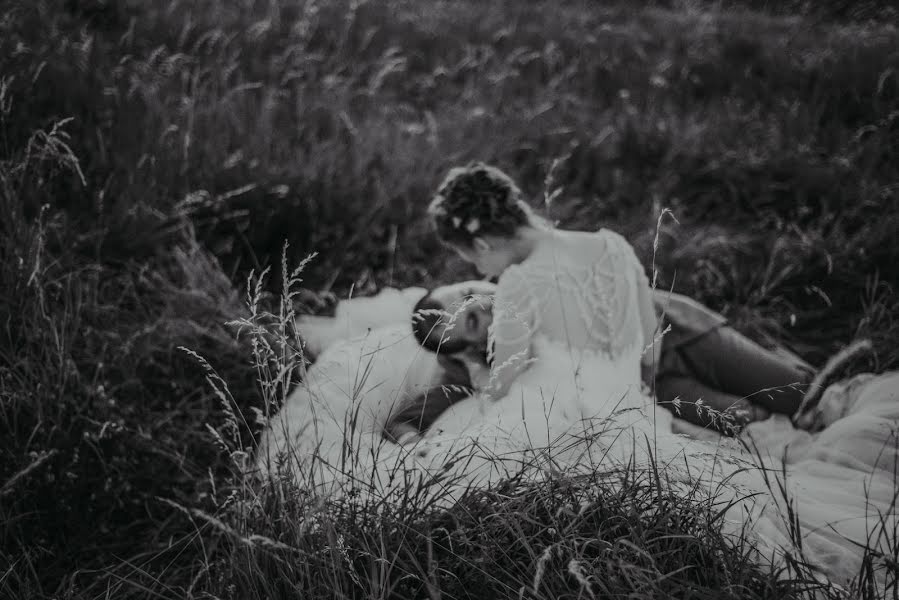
[(610, 236), (516, 275), (591, 245), (577, 236), (616, 245)]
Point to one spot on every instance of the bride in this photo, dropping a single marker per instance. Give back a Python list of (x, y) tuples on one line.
[(573, 320)]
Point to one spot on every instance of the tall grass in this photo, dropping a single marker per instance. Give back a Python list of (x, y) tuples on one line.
[(618, 530), (153, 154)]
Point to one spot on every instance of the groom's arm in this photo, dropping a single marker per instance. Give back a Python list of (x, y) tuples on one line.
[(423, 411), (452, 383)]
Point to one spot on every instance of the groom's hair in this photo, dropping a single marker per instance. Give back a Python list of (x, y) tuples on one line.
[(428, 319)]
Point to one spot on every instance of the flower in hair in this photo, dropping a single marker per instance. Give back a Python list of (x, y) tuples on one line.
[(437, 207)]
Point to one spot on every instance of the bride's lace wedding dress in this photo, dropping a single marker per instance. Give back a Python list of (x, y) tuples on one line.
[(584, 301), (580, 406)]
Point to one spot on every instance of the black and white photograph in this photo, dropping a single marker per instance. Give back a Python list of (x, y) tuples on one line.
[(449, 299)]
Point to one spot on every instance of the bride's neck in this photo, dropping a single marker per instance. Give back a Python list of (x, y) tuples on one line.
[(528, 240)]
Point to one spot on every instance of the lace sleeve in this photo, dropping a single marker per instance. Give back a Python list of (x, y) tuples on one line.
[(511, 330)]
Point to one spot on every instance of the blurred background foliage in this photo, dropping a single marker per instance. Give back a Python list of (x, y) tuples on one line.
[(153, 154)]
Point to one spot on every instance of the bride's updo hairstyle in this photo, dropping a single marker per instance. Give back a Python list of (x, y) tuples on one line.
[(475, 201)]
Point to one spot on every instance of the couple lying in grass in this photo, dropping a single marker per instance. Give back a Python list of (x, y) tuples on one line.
[(706, 372), (571, 287), (571, 333)]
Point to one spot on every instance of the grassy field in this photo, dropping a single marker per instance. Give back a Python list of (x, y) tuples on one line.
[(154, 154)]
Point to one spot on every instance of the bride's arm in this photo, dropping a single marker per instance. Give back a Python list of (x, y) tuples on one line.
[(510, 333), (630, 270)]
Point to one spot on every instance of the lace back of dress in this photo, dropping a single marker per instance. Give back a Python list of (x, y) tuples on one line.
[(588, 303)]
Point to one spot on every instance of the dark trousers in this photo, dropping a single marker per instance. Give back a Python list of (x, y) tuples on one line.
[(726, 369), (453, 385)]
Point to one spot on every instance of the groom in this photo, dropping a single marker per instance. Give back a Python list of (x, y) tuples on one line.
[(705, 367)]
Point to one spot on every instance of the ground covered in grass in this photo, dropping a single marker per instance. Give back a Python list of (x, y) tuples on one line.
[(154, 154)]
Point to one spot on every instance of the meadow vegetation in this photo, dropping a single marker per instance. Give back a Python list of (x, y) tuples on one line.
[(155, 154)]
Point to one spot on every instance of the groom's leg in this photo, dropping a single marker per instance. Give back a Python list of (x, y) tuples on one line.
[(726, 360), (681, 394)]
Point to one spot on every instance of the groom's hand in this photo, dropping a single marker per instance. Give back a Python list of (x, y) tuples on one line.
[(745, 412)]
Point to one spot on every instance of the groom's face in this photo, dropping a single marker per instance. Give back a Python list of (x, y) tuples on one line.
[(467, 309)]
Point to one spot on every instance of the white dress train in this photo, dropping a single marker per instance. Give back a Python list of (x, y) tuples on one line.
[(588, 406)]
